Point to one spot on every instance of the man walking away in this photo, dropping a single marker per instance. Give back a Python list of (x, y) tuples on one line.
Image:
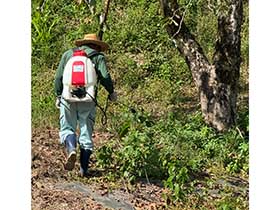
[(79, 72)]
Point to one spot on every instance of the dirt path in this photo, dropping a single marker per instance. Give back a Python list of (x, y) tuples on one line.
[(55, 188)]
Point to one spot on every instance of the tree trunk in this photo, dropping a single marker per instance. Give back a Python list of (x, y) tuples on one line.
[(217, 82), (103, 19)]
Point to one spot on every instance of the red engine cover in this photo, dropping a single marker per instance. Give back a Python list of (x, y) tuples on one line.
[(79, 53), (78, 73)]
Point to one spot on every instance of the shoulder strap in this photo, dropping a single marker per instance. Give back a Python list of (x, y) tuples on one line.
[(94, 53), (75, 48)]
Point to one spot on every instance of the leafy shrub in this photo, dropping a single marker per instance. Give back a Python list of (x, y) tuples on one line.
[(174, 151)]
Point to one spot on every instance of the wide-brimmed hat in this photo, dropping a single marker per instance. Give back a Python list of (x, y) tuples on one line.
[(92, 39)]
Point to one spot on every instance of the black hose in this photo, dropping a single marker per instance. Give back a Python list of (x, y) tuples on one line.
[(104, 117)]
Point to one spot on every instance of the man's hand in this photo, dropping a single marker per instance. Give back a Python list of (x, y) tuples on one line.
[(57, 102), (113, 96)]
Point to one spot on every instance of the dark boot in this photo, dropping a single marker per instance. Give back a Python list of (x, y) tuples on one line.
[(84, 160), (70, 147)]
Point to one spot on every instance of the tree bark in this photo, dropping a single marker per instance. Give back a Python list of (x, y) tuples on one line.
[(104, 18), (217, 82)]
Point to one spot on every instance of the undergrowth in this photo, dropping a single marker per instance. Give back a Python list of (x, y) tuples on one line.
[(173, 151)]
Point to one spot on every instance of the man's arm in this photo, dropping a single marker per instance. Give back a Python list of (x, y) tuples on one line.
[(104, 76), (58, 86)]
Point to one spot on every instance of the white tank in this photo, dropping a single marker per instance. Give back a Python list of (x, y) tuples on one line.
[(90, 79)]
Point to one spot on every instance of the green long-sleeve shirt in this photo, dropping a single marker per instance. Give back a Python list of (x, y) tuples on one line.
[(100, 65)]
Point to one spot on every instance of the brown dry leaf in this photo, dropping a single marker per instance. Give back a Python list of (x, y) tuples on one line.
[(152, 206), (39, 185), (97, 207)]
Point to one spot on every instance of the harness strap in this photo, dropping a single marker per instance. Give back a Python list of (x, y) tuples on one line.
[(93, 53)]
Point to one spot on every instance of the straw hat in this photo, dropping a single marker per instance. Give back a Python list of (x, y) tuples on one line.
[(92, 39)]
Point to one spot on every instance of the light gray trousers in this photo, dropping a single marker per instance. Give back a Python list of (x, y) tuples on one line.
[(74, 114)]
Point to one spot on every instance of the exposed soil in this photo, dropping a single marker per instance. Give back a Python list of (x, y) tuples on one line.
[(55, 188)]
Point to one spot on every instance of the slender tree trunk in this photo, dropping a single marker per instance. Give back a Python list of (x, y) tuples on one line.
[(217, 82), (104, 18)]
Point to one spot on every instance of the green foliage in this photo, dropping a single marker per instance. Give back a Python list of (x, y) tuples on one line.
[(174, 151), (43, 26), (104, 156), (138, 157), (229, 202), (42, 34)]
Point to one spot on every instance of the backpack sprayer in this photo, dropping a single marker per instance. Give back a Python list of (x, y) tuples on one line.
[(80, 79)]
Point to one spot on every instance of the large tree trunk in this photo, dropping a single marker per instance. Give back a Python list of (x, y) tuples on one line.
[(216, 82)]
